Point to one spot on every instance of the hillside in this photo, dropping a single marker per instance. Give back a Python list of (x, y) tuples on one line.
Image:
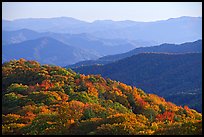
[(50, 100), (187, 47), (176, 77)]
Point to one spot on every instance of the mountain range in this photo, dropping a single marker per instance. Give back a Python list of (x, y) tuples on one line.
[(86, 47), (96, 39), (97, 46), (187, 47), (45, 50), (173, 30)]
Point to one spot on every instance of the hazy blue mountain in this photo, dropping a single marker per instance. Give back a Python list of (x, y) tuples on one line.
[(59, 24), (99, 47), (174, 30), (176, 77), (187, 47), (46, 50), (64, 25), (12, 37), (195, 46), (94, 45)]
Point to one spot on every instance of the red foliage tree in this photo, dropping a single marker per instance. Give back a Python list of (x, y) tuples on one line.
[(167, 115)]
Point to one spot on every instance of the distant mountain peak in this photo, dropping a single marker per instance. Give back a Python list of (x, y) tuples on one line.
[(184, 18)]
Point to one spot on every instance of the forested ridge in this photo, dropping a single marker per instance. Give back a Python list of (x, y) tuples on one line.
[(45, 100), (176, 77)]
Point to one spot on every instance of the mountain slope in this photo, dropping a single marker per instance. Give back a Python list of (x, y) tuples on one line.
[(195, 46), (46, 50), (187, 47), (50, 100), (12, 37), (167, 75)]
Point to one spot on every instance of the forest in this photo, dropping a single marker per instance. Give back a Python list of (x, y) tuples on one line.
[(51, 100)]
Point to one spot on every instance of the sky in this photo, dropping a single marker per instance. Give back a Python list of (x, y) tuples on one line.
[(91, 11)]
